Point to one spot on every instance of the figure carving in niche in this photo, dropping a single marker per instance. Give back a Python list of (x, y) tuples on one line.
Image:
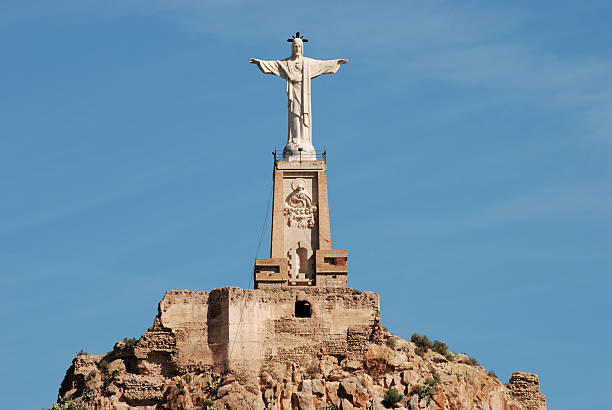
[(302, 254), (299, 206), (299, 264)]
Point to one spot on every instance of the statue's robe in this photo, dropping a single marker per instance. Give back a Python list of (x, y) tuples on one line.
[(298, 73)]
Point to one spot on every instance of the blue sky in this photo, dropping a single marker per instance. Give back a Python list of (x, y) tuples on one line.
[(469, 151)]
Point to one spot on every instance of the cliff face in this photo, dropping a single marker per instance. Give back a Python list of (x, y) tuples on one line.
[(283, 349)]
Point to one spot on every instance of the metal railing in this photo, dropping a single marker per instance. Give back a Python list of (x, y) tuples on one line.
[(319, 155)]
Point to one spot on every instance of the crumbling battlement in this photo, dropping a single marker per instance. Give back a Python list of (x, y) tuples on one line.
[(241, 329), (525, 387)]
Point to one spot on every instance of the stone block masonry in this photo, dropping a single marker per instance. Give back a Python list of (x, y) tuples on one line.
[(301, 252), (244, 330)]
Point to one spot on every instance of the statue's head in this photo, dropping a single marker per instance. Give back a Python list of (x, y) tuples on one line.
[(297, 47)]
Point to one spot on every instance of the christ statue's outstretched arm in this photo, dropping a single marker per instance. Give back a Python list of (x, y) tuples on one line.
[(318, 67), (267, 67)]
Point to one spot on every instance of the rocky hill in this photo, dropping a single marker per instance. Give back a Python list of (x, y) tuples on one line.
[(287, 358)]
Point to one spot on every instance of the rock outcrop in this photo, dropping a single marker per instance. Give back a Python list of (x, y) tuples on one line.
[(246, 349)]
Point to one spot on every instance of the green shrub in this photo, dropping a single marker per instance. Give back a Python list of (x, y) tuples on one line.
[(67, 404), (182, 392), (492, 374), (439, 347), (436, 376), (427, 390), (423, 343), (472, 361), (81, 352), (332, 406), (391, 342), (442, 348), (391, 397), (129, 343), (88, 395), (213, 386), (421, 340)]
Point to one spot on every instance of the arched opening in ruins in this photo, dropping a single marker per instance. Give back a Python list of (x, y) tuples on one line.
[(302, 309)]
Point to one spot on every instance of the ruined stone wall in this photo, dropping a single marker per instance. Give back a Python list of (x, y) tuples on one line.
[(264, 328), (525, 387), (241, 329), (198, 328), (336, 280)]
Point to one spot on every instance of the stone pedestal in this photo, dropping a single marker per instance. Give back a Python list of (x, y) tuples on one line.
[(299, 152), (301, 253)]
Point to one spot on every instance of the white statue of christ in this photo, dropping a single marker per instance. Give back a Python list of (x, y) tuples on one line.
[(298, 71)]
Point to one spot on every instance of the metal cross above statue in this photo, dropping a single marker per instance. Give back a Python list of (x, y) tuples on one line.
[(298, 71)]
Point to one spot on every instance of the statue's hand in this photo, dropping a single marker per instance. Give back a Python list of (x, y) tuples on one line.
[(252, 61), (343, 61)]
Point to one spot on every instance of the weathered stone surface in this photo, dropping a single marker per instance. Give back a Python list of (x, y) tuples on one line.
[(116, 365), (439, 399), (361, 396), (331, 392), (377, 359), (414, 401), (302, 400), (328, 364), (318, 387), (188, 359), (346, 405), (526, 388), (461, 358), (347, 388)]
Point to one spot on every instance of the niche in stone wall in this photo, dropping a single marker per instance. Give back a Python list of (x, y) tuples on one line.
[(302, 309), (302, 254)]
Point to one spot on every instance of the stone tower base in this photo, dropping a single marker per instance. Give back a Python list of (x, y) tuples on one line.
[(247, 329)]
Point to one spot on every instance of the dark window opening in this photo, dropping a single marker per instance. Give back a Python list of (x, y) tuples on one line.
[(302, 309), (340, 261), (267, 269)]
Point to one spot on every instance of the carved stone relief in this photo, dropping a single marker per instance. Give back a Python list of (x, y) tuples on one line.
[(299, 206)]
